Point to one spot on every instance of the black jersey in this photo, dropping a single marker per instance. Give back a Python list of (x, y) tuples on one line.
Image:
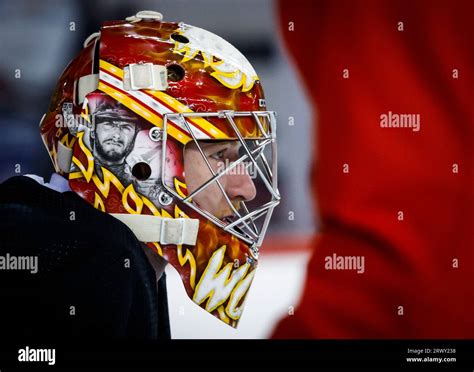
[(92, 277)]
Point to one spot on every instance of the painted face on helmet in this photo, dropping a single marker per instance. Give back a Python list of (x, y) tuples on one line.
[(167, 130), (115, 139)]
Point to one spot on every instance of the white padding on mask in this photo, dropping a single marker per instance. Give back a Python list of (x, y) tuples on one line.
[(162, 230), (145, 76), (85, 85), (64, 156)]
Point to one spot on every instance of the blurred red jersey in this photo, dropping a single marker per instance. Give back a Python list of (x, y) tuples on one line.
[(392, 87)]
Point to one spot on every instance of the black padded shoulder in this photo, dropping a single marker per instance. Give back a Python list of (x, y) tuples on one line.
[(93, 278)]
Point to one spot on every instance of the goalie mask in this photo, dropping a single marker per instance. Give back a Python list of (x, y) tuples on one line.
[(164, 126)]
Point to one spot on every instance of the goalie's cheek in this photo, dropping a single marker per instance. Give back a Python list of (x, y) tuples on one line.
[(195, 169)]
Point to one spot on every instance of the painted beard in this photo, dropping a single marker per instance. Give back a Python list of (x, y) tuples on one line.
[(114, 151)]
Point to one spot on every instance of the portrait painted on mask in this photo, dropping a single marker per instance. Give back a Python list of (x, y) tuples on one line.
[(126, 151)]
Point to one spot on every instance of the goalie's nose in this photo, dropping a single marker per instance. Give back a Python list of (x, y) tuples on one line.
[(240, 185)]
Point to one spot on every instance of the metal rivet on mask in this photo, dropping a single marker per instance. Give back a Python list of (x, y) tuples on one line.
[(165, 199), (155, 134), (254, 251)]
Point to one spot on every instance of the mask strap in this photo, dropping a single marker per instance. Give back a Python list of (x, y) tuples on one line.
[(64, 156), (160, 229)]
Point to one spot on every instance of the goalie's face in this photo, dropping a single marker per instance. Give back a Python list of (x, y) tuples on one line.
[(237, 185)]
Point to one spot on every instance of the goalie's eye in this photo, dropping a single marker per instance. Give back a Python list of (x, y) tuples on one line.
[(219, 155)]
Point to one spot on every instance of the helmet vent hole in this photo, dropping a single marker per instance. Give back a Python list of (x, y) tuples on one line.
[(141, 171), (175, 73), (180, 38)]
